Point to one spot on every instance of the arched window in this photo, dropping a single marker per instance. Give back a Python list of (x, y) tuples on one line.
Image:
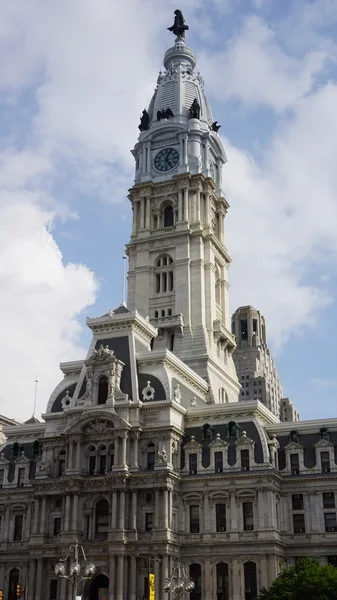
[(195, 575), (103, 387), (222, 583), (61, 463), (250, 581), (168, 216), (92, 460), (102, 518), (151, 456), (102, 460), (164, 277), (14, 580)]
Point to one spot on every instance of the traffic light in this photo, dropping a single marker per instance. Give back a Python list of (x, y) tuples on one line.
[(18, 591)]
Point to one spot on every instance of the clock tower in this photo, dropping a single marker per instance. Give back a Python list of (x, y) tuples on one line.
[(178, 262)]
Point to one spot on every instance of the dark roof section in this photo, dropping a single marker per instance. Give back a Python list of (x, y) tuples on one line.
[(159, 391), (308, 441), (121, 310), (249, 427), (32, 420), (57, 406)]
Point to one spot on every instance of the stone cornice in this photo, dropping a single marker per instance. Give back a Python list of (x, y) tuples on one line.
[(112, 322), (302, 426), (233, 410)]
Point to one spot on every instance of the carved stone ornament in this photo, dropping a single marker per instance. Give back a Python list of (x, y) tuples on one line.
[(101, 355), (193, 401), (65, 402), (177, 393), (162, 456), (98, 426), (44, 467), (148, 392)]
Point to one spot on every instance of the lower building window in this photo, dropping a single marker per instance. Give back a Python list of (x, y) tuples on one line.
[(248, 516), (332, 560), (299, 523), (18, 522), (57, 525), (148, 521), (328, 500), (250, 577), (220, 513), (330, 522), (194, 519), (222, 582)]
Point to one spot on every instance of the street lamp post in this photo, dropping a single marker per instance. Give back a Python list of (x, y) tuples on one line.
[(179, 582), (74, 575)]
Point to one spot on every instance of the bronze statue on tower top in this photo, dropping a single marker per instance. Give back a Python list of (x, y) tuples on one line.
[(178, 27)]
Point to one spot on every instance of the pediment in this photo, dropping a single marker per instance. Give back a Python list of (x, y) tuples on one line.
[(244, 441), (219, 443), (97, 423), (192, 445), (293, 446), (324, 444)]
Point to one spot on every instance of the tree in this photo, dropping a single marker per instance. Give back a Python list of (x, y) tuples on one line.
[(307, 580)]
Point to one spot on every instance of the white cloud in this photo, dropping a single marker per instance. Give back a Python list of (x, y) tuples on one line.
[(322, 383), (41, 296), (255, 70), (283, 215)]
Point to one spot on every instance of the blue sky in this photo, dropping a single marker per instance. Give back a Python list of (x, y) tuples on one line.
[(74, 78)]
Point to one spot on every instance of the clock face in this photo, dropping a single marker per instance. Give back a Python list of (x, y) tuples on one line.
[(166, 159)]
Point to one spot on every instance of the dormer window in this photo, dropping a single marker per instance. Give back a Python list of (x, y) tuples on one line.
[(294, 464), (103, 388), (21, 477)]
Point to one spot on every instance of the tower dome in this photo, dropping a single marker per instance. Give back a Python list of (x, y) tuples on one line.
[(179, 85)]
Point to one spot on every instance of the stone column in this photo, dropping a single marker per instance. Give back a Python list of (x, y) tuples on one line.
[(112, 575), (233, 513), (70, 455), (141, 218), (121, 510), (75, 513), (39, 595), (134, 511), (234, 583), (156, 509), (133, 578), (134, 217), (197, 205), (67, 513), (114, 511), (207, 514), (78, 465), (260, 510), (170, 503), (180, 205), (186, 201), (185, 155), (120, 577), (124, 440), (164, 570), (31, 580), (206, 581), (157, 589), (36, 516), (165, 509), (43, 515), (192, 206), (135, 449)]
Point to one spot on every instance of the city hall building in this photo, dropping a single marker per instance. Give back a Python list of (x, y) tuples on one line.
[(170, 442)]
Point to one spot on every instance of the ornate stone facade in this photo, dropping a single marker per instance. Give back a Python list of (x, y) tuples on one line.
[(145, 455)]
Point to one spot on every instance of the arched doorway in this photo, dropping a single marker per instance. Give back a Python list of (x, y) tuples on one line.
[(99, 588)]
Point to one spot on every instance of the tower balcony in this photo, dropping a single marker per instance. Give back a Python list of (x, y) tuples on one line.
[(223, 335), (175, 322)]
